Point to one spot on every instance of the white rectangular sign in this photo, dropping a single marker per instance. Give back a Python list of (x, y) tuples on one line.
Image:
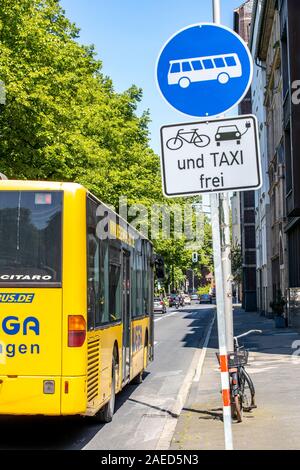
[(211, 156)]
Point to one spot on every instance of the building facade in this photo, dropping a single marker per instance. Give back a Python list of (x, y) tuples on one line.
[(275, 38), (242, 25), (262, 200)]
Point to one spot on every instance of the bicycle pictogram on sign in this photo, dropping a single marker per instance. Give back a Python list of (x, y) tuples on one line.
[(200, 140)]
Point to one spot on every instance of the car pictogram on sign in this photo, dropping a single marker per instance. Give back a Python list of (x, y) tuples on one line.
[(227, 133)]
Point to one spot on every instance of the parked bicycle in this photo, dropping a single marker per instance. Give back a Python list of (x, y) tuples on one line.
[(191, 137), (242, 389)]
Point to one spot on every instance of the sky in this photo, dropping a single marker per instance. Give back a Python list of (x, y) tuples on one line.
[(128, 36)]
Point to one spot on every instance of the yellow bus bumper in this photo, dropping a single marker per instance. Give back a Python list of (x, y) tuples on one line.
[(25, 396)]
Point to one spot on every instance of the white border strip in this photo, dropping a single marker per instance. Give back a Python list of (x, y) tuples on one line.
[(167, 434), (203, 352)]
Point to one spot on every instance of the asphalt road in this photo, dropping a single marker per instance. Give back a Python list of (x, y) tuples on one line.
[(145, 414)]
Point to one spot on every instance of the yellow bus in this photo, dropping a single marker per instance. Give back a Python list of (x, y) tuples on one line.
[(76, 301)]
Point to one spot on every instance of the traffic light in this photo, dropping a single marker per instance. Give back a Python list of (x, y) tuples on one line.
[(159, 267), (195, 257)]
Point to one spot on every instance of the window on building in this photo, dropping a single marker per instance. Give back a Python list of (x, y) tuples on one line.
[(288, 160), (249, 217), (249, 236), (285, 63), (249, 199)]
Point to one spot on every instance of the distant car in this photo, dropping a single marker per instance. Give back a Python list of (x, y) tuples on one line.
[(205, 299), (194, 297), (228, 133), (187, 299), (159, 305)]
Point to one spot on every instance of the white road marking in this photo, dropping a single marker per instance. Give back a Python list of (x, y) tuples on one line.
[(169, 429), (203, 352), (165, 316)]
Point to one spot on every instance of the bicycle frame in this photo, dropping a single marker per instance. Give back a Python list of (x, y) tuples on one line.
[(180, 135)]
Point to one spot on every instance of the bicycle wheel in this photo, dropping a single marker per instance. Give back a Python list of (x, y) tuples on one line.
[(247, 391), (201, 140), (174, 144), (238, 408), (236, 397)]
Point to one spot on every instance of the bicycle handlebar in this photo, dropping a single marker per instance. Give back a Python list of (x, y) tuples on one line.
[(250, 332)]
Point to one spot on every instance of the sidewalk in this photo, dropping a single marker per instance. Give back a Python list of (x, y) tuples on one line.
[(275, 424)]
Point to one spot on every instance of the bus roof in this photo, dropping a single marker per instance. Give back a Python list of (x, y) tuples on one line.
[(27, 185), (204, 57)]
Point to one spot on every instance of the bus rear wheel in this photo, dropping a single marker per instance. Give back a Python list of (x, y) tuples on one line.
[(184, 82), (223, 78), (105, 415)]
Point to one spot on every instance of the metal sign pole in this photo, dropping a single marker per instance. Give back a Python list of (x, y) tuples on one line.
[(217, 11), (214, 202), (225, 235), (220, 298), (226, 264)]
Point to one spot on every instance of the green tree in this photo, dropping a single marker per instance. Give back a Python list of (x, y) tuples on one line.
[(237, 263), (64, 121)]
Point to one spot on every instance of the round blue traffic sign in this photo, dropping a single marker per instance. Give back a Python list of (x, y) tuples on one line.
[(204, 70)]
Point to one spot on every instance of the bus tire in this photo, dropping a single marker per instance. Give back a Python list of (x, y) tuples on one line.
[(223, 78), (105, 415), (138, 379), (184, 82)]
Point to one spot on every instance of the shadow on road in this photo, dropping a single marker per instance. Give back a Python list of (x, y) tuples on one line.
[(216, 413), (52, 432)]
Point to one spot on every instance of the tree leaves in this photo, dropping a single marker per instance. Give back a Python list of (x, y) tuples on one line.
[(64, 121)]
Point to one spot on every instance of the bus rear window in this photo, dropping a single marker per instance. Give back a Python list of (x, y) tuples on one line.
[(30, 237)]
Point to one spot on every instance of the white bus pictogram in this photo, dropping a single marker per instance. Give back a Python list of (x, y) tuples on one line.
[(222, 67)]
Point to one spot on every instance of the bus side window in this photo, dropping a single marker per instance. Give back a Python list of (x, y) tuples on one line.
[(147, 279), (139, 285), (133, 285), (219, 62), (103, 316), (186, 67), (208, 63), (115, 292), (230, 61), (197, 65)]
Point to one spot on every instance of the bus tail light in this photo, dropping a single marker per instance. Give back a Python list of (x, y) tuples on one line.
[(76, 331)]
